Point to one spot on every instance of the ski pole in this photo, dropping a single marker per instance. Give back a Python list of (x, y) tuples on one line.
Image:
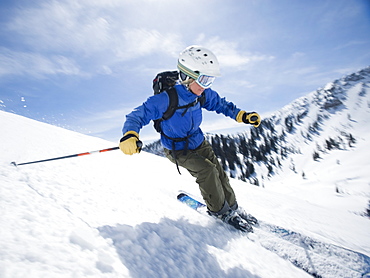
[(139, 145)]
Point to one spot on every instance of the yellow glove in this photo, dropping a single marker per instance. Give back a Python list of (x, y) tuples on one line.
[(249, 118), (130, 143)]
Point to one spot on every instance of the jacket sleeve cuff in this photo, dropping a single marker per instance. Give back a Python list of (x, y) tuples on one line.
[(239, 117), (129, 134), (132, 132)]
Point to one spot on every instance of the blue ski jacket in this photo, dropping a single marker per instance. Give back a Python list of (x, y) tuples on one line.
[(179, 125)]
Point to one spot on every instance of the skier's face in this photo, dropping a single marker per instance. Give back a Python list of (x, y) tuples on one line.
[(195, 88)]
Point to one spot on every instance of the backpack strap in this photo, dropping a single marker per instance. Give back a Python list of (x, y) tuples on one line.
[(172, 105), (202, 99), (173, 102)]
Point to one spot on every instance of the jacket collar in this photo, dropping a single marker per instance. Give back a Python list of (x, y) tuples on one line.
[(185, 94)]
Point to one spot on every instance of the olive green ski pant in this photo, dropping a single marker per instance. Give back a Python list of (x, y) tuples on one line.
[(213, 182)]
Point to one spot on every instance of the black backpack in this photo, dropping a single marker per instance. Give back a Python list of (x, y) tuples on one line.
[(165, 81)]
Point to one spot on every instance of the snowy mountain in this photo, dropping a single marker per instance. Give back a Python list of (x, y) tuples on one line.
[(331, 118), (111, 215)]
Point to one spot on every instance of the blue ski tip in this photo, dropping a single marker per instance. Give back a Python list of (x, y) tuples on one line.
[(181, 195)]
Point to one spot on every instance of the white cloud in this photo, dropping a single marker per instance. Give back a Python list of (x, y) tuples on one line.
[(89, 28), (56, 26), (37, 65), (94, 36), (228, 53), (298, 55), (141, 42)]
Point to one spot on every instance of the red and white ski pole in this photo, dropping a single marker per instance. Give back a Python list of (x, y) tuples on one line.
[(139, 145)]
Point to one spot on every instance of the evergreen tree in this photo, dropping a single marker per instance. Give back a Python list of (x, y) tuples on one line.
[(270, 170), (243, 146), (351, 140), (289, 124), (278, 162), (315, 156)]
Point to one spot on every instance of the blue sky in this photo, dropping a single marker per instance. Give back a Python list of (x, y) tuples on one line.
[(85, 64)]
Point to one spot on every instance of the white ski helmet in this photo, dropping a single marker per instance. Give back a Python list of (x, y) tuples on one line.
[(196, 60)]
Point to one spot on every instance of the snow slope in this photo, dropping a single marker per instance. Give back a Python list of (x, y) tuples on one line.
[(111, 215)]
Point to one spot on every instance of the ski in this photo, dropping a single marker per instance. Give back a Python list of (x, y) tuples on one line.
[(319, 259), (241, 225)]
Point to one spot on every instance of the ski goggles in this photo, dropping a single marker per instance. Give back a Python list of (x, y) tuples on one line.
[(205, 81)]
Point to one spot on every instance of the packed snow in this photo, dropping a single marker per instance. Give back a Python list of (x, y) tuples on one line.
[(112, 215)]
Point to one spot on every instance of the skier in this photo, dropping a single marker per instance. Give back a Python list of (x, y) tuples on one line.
[(183, 140)]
